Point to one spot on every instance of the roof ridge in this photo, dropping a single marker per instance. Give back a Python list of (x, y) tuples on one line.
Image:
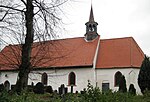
[(118, 38), (45, 41), (138, 47)]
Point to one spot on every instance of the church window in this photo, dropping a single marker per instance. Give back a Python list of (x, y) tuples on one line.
[(72, 79), (117, 78), (44, 78)]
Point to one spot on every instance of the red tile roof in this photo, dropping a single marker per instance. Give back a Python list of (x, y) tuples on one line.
[(58, 53), (10, 57), (118, 53), (76, 52)]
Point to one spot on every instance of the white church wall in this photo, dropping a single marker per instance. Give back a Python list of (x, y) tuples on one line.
[(10, 76), (108, 76), (60, 76), (55, 77)]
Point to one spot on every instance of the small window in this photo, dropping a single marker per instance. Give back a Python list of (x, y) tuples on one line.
[(72, 79), (105, 87), (117, 78), (44, 78)]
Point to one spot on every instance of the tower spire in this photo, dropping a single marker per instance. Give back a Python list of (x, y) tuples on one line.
[(91, 27), (91, 18)]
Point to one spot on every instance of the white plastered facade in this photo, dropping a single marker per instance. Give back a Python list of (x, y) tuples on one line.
[(56, 77)]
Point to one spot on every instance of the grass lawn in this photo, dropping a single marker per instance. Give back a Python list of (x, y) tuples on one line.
[(94, 96)]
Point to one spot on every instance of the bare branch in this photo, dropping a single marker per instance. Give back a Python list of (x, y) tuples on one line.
[(28, 21), (24, 2), (4, 16), (12, 8)]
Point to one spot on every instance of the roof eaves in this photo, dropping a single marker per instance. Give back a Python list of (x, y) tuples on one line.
[(62, 67), (119, 67)]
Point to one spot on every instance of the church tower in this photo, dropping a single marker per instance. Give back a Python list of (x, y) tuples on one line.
[(91, 27)]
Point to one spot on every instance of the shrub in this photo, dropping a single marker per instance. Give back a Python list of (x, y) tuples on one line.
[(4, 96), (49, 89), (132, 90), (39, 88), (30, 88), (91, 94), (122, 84)]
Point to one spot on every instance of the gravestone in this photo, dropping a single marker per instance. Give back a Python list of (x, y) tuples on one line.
[(62, 90), (1, 87)]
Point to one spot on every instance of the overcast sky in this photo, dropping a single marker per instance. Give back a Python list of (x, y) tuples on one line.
[(115, 18)]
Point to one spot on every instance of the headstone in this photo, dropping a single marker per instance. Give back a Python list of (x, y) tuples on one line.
[(49, 89), (71, 88), (62, 89), (1, 87)]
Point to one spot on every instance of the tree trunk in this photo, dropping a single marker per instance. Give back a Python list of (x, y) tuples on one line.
[(25, 66)]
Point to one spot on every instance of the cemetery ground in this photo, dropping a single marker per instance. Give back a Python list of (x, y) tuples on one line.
[(90, 94), (94, 96)]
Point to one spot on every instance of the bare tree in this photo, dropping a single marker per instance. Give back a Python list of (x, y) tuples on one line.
[(28, 21)]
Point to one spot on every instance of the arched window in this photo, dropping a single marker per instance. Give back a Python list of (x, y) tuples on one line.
[(72, 79), (94, 28), (117, 78), (90, 28), (7, 85), (44, 78)]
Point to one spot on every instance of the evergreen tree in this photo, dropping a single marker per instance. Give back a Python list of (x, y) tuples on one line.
[(132, 90), (144, 75), (122, 84)]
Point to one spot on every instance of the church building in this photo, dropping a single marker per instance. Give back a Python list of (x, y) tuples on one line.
[(74, 61)]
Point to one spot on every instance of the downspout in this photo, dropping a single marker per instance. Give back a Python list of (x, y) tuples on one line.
[(131, 64), (94, 62)]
